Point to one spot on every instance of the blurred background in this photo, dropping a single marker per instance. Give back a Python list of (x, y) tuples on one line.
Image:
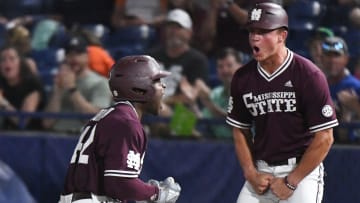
[(48, 44)]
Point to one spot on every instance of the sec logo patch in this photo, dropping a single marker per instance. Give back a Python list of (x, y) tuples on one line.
[(327, 111)]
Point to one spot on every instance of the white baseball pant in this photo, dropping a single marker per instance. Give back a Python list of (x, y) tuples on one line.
[(94, 199), (309, 190)]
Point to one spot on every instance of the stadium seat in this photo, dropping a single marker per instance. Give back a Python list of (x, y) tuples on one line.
[(298, 39), (304, 14), (130, 40), (47, 62), (352, 38)]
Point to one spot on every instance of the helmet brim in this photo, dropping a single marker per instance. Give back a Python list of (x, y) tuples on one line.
[(161, 74)]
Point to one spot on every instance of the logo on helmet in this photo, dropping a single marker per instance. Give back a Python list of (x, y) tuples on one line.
[(255, 14)]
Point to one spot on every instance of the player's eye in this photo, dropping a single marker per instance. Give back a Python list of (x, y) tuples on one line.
[(157, 81)]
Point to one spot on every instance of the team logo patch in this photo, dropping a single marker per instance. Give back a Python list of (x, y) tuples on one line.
[(327, 111), (288, 84), (133, 160), (255, 14)]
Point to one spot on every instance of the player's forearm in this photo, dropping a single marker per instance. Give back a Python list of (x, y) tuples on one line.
[(243, 151), (313, 156), (129, 189)]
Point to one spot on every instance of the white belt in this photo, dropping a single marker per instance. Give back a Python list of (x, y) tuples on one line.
[(94, 199)]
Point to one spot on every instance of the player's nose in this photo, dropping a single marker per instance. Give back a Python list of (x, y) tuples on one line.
[(163, 85)]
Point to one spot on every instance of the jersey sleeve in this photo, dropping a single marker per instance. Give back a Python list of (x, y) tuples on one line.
[(238, 115), (318, 105), (123, 151)]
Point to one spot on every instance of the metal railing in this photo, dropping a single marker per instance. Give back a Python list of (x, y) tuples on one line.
[(147, 119)]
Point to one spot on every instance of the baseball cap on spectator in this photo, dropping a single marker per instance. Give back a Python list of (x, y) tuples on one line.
[(334, 45), (323, 32), (180, 17), (76, 44)]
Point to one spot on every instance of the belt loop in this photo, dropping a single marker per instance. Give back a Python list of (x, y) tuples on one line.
[(292, 161)]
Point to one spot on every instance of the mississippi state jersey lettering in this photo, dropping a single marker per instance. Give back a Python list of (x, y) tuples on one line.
[(286, 107), (112, 144)]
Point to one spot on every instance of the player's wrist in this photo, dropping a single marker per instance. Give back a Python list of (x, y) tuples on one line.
[(155, 196), (289, 185), (250, 173)]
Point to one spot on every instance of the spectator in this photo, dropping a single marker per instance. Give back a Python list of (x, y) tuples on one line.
[(315, 42), (20, 90), (335, 59), (43, 33), (19, 37), (100, 60), (215, 101), (76, 89), (350, 100), (225, 25), (198, 11), (177, 56)]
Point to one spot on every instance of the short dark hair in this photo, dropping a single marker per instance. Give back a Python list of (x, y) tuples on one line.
[(76, 44), (228, 51)]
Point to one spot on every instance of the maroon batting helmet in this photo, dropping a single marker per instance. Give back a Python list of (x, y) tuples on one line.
[(132, 77), (268, 16)]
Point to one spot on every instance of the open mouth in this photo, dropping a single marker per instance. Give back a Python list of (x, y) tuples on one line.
[(256, 49)]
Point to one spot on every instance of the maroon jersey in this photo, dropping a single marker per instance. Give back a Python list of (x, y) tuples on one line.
[(285, 108), (108, 158)]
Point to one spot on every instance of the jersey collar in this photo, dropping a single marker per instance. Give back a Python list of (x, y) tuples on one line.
[(130, 104), (282, 68)]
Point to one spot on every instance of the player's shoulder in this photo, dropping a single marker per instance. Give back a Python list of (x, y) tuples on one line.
[(248, 68), (306, 73), (123, 111), (116, 115), (304, 64)]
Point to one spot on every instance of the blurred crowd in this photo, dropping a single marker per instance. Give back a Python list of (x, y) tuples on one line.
[(55, 57)]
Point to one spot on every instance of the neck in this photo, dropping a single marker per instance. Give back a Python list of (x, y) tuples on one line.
[(177, 51), (273, 62), (82, 73), (14, 81), (138, 109)]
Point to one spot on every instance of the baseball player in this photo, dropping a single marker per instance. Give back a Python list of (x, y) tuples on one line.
[(282, 116), (108, 158)]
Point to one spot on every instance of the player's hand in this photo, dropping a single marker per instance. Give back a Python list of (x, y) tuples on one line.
[(260, 182), (169, 191), (279, 188)]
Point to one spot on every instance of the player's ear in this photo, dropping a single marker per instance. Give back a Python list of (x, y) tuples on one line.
[(282, 35)]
